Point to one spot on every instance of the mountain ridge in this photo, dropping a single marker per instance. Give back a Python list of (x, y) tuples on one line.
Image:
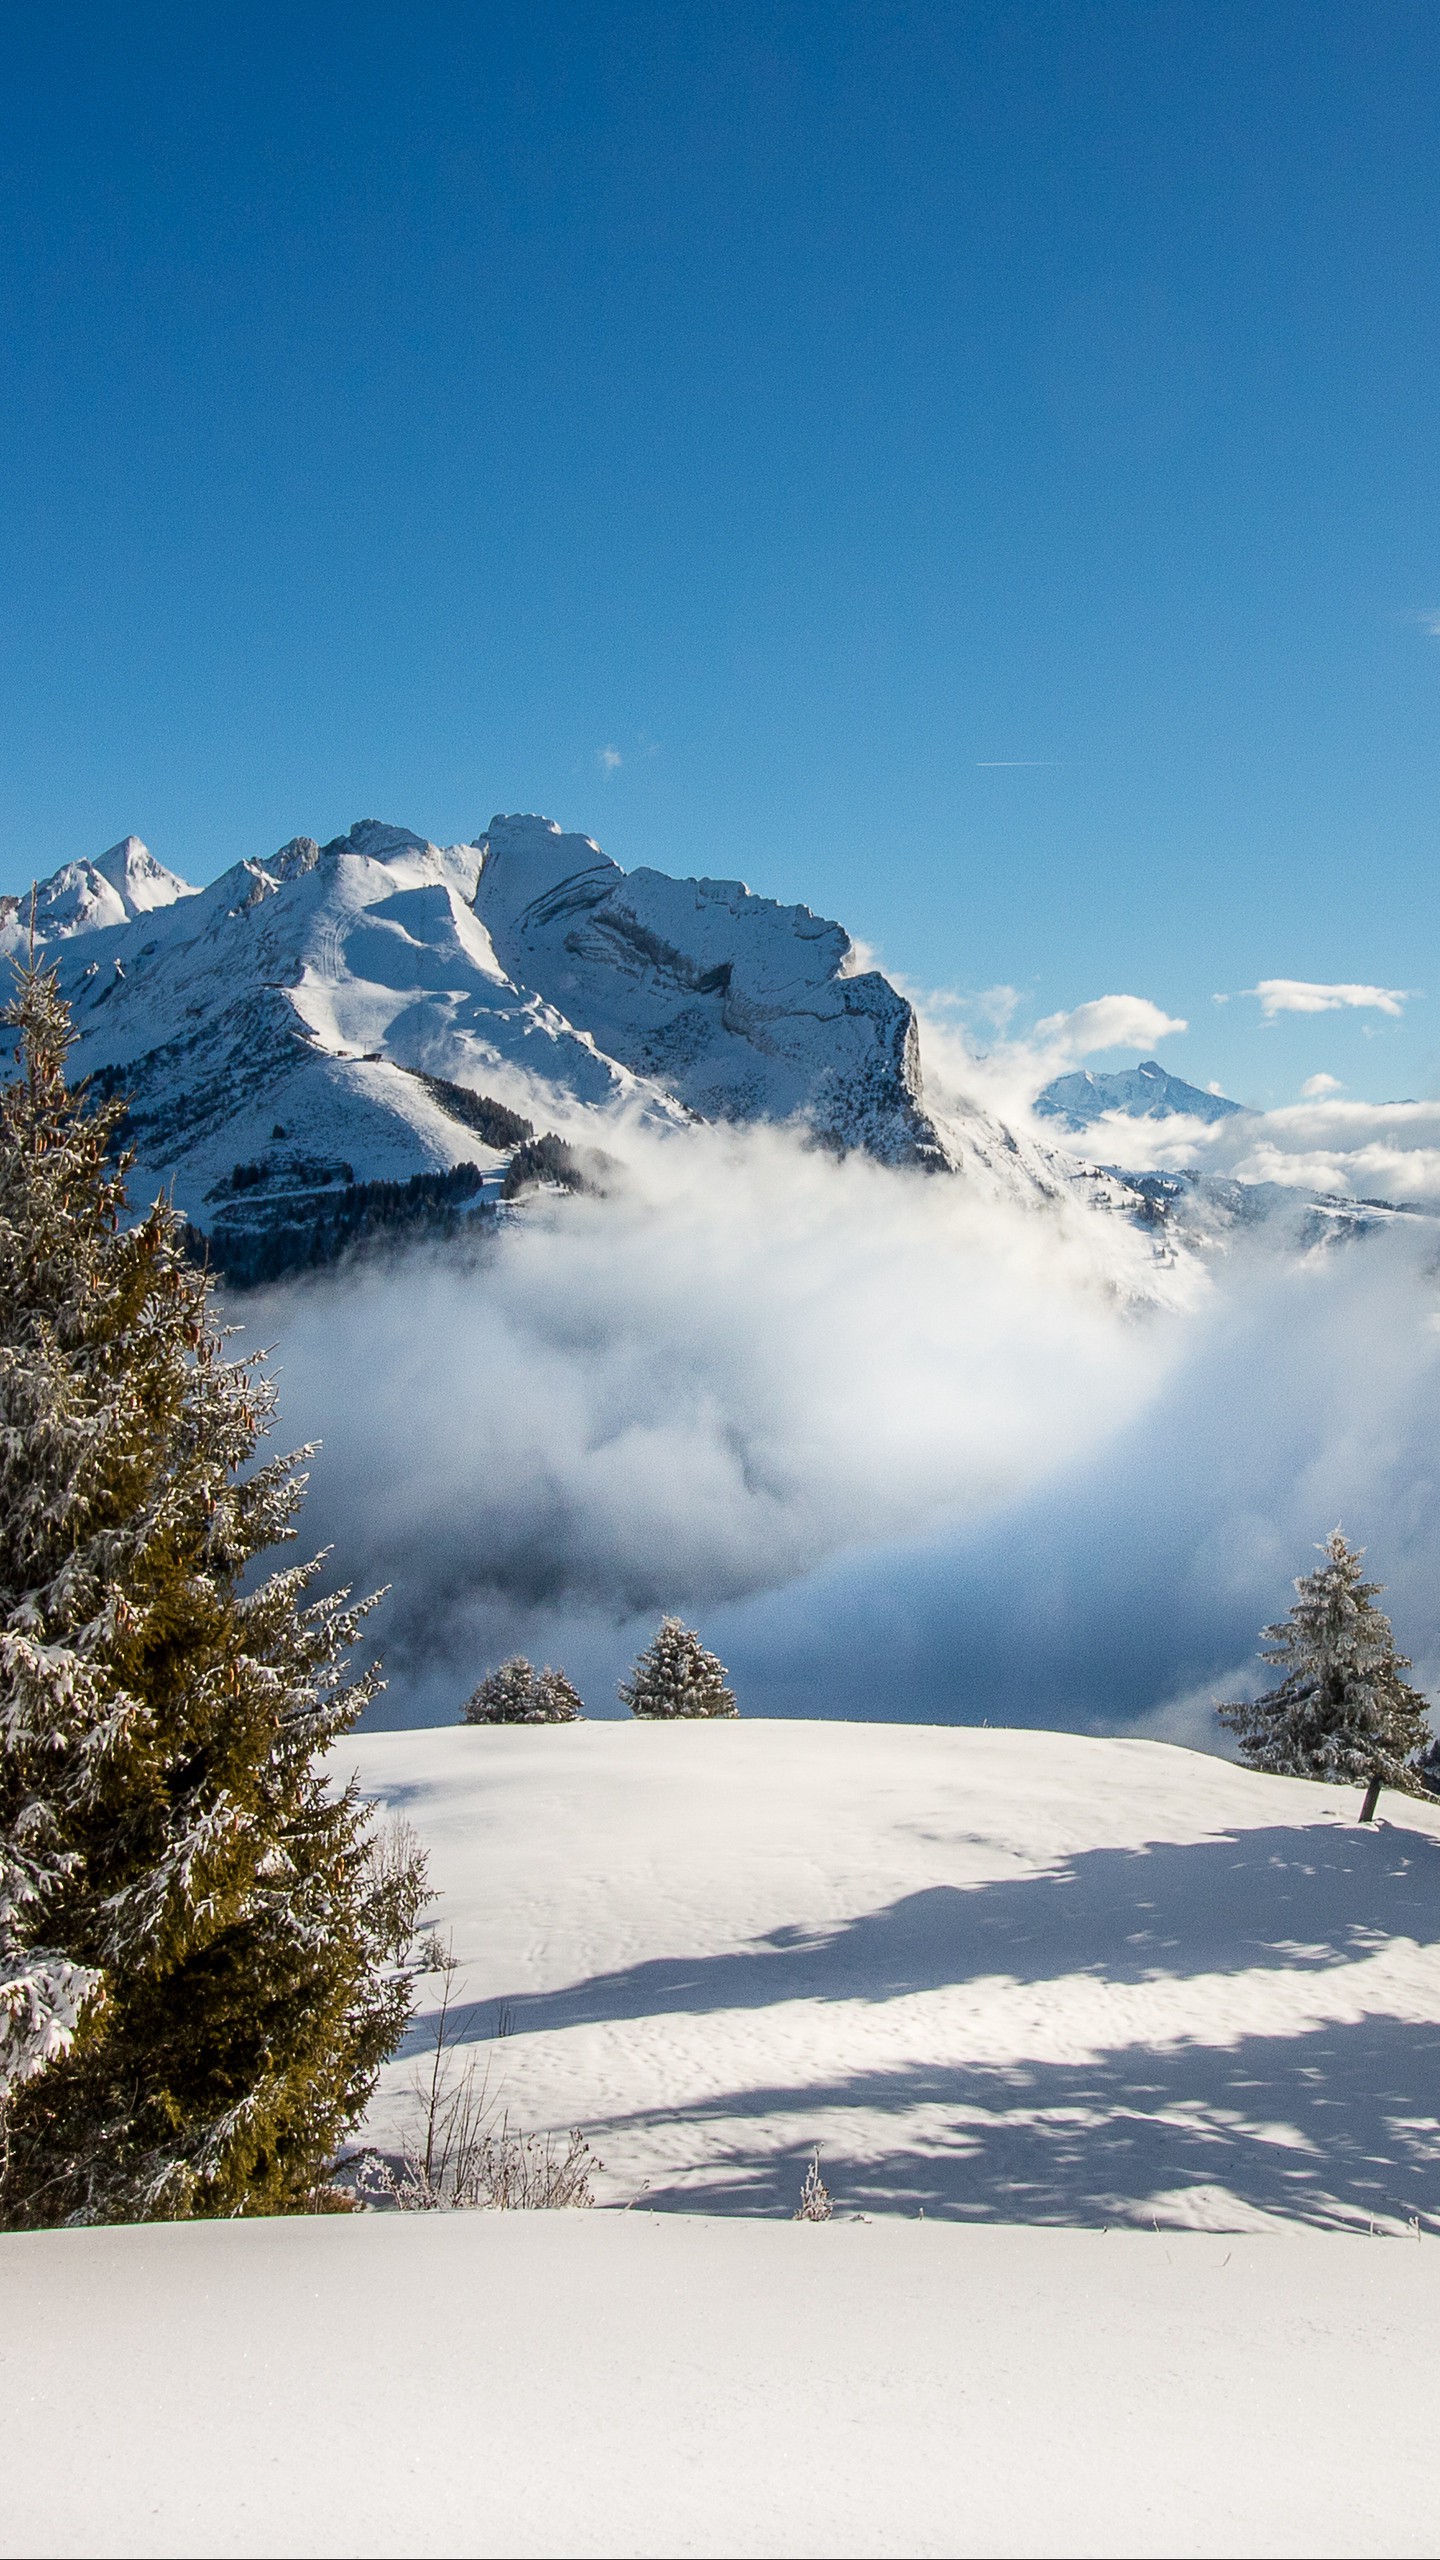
[(312, 1020)]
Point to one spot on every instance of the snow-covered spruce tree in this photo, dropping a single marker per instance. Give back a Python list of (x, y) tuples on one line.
[(1341, 1711), (675, 1676), (519, 1694), (168, 1842)]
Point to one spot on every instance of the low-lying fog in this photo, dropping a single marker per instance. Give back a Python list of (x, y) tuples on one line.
[(897, 1450)]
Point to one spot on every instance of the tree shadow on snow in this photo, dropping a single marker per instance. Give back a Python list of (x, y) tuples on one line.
[(1296, 1898), (1334, 2127)]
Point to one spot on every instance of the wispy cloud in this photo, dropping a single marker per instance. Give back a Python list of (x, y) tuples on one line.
[(1317, 1088), (1427, 619), (609, 759), (1308, 995)]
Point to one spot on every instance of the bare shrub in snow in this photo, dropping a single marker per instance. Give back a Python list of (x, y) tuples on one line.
[(519, 1694), (463, 2154), (675, 1676), (1342, 1711), (815, 2204)]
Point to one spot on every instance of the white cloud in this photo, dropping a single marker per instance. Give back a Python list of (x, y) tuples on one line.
[(1306, 995), (1107, 1022), (968, 1058), (1314, 1088), (609, 759), (1129, 1590)]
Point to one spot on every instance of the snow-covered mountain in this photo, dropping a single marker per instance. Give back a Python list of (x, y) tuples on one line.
[(382, 1030), (386, 1020), (1146, 1092), (126, 882)]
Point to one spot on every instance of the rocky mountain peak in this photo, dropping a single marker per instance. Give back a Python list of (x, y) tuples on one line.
[(377, 840), (530, 871)]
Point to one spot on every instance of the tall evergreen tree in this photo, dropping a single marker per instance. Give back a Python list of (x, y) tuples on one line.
[(202, 1911), (1342, 1710), (675, 1676)]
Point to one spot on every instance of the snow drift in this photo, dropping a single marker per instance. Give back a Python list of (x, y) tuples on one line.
[(608, 2383)]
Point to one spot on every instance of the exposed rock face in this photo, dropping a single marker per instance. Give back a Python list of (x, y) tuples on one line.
[(740, 1008)]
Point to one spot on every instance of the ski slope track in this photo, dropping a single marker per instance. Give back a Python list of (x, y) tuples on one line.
[(331, 1016)]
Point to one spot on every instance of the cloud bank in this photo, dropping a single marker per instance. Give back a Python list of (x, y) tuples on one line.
[(698, 1390), (1368, 1150), (1127, 1592), (898, 1450)]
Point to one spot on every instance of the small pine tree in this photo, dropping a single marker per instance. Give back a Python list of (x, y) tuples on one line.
[(203, 1912), (816, 2203), (518, 1694), (675, 1676), (1342, 1711)]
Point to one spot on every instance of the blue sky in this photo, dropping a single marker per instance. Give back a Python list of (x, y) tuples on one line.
[(973, 468)]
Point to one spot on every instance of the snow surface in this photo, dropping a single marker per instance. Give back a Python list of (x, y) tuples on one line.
[(1005, 1980), (597, 2383), (995, 1976)]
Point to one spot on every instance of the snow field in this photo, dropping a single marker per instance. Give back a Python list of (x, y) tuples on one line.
[(596, 2383), (1004, 1979), (1001, 1976)]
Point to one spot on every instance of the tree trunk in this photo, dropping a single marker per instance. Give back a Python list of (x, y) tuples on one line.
[(1372, 1798)]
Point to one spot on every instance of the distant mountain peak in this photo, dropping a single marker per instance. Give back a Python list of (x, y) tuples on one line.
[(1146, 1092), (82, 897)]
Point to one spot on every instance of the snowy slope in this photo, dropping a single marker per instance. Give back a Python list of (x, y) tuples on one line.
[(1000, 1976), (1003, 1980), (640, 2383)]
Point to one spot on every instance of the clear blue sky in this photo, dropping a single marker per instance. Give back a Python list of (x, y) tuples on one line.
[(978, 466)]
